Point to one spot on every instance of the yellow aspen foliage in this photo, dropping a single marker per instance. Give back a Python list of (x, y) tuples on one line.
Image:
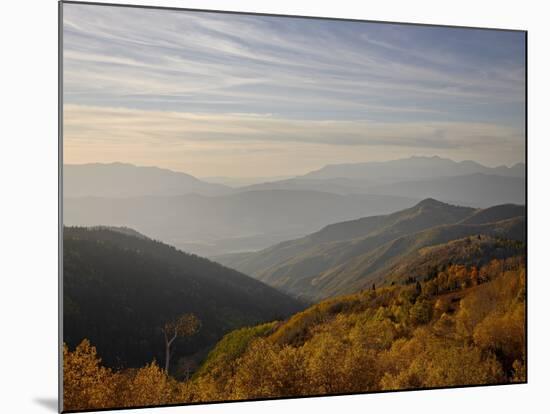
[(85, 382), (148, 386), (503, 333), (467, 329), (324, 369), (211, 387), (268, 370), (443, 367)]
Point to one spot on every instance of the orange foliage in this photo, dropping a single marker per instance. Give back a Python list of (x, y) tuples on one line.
[(464, 326)]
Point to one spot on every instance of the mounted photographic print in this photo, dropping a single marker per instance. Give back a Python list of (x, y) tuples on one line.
[(262, 206)]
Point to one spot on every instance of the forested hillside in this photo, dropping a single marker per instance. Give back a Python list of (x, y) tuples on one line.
[(374, 266), (464, 325), (469, 251), (119, 291)]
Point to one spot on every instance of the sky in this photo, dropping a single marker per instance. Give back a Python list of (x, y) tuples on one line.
[(214, 94)]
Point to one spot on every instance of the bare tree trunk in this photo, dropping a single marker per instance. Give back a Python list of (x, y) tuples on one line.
[(167, 358), (168, 350)]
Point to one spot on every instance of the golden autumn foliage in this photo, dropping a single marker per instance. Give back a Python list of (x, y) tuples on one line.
[(463, 326), (85, 382), (146, 386)]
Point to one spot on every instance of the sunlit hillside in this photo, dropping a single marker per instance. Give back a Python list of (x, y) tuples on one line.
[(463, 325)]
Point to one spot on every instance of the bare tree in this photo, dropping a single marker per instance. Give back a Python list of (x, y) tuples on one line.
[(185, 325)]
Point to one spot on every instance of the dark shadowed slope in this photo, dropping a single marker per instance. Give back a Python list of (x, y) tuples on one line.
[(124, 230), (120, 289)]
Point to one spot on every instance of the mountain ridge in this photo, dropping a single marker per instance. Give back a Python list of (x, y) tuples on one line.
[(417, 166), (213, 225), (465, 182), (346, 256), (119, 179)]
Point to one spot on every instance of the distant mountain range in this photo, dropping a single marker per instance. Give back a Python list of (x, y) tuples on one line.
[(412, 168), (121, 287), (465, 183), (212, 219), (349, 256), (243, 221), (127, 180), (341, 185), (476, 190)]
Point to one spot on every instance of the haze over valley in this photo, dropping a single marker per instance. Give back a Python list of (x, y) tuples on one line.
[(212, 219), (346, 257)]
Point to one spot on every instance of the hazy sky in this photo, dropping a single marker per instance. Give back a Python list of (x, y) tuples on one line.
[(233, 95)]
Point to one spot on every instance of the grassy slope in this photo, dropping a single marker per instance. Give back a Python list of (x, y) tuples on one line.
[(373, 267), (332, 240), (348, 256)]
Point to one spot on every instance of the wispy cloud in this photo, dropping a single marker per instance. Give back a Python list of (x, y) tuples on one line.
[(115, 54), (117, 132), (193, 76)]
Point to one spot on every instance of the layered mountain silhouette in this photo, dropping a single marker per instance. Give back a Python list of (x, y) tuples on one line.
[(349, 256), (213, 225), (464, 183), (212, 219), (416, 167), (330, 185), (119, 289), (396, 256), (127, 180), (477, 190)]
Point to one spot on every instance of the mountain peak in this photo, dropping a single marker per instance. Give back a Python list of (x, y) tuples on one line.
[(412, 168), (120, 179), (422, 157), (431, 202)]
